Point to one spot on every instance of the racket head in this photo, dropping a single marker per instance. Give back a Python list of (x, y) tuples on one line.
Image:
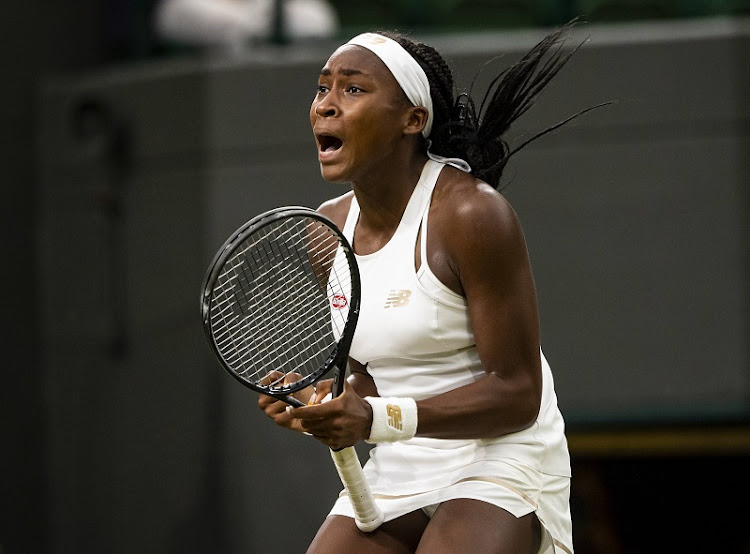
[(280, 301)]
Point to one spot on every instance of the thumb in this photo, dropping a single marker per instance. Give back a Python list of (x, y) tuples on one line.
[(323, 391)]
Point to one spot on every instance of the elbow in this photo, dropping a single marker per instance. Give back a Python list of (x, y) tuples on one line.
[(533, 396), (527, 409), (531, 401), (529, 413), (518, 404)]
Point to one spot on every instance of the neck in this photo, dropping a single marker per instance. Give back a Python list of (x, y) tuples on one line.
[(383, 197)]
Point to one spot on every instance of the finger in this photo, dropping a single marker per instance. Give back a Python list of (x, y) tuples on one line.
[(306, 395), (290, 378), (312, 412), (322, 389), (276, 411), (272, 378), (265, 401)]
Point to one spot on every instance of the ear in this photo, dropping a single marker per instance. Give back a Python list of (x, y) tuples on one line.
[(416, 120)]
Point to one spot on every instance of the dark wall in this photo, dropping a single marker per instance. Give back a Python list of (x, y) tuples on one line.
[(38, 37), (637, 225)]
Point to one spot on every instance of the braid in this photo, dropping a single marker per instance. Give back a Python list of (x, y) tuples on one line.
[(459, 130)]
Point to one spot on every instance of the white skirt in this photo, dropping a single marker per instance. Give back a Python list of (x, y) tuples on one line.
[(516, 491)]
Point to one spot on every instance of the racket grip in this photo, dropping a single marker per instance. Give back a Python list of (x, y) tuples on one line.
[(366, 513)]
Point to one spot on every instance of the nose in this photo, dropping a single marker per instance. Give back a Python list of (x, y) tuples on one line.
[(327, 107)]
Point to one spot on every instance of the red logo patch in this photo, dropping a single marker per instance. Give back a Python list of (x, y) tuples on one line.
[(339, 301)]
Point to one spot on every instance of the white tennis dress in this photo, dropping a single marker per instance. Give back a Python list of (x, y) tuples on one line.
[(414, 336)]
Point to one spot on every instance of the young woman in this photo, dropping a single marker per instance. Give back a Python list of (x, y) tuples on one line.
[(447, 373)]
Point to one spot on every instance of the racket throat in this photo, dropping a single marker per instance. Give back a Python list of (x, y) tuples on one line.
[(339, 376)]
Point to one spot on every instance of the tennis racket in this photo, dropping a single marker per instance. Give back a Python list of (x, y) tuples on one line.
[(279, 306)]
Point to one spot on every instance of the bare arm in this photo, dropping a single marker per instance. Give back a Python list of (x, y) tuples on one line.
[(485, 250)]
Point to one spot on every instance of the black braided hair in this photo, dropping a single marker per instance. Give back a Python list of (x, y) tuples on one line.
[(458, 130)]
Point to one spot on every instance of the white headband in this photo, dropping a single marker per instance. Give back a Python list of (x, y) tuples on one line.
[(408, 73)]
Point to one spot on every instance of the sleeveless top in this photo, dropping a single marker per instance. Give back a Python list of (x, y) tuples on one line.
[(414, 336)]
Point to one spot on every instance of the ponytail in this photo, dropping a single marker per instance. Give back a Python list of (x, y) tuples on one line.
[(478, 136)]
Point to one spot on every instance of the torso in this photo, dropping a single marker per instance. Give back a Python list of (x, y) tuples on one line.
[(425, 320), (452, 188)]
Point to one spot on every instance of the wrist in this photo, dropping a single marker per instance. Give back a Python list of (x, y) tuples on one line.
[(393, 419)]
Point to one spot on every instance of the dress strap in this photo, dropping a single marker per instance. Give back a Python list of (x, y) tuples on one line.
[(351, 220), (430, 184)]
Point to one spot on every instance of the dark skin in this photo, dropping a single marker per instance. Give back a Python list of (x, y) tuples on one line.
[(369, 135)]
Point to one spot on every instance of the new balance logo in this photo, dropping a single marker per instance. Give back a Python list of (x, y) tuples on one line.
[(397, 298), (394, 417)]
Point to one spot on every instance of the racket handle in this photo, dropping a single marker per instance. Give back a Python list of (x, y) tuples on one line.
[(366, 513)]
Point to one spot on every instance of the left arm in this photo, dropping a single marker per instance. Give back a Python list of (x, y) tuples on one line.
[(486, 251)]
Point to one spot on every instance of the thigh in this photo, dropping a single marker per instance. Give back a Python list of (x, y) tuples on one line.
[(340, 535), (464, 525)]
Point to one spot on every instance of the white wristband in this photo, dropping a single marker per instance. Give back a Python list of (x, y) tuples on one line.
[(393, 419)]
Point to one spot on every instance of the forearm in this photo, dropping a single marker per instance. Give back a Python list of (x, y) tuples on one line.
[(488, 408)]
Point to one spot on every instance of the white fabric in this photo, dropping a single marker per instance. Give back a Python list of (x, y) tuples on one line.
[(416, 340), (551, 505), (458, 163), (407, 72)]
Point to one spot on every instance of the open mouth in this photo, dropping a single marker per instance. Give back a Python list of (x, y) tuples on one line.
[(329, 143)]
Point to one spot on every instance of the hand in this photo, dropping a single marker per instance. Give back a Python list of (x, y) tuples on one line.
[(338, 423), (277, 409)]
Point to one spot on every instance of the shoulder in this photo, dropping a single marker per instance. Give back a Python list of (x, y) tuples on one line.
[(478, 235), (336, 209), (467, 209)]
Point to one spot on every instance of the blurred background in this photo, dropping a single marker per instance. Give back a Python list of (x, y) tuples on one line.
[(138, 134)]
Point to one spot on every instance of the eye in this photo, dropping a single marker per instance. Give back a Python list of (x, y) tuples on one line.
[(353, 89), (322, 89)]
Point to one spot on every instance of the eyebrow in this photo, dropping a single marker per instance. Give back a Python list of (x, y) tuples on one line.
[(344, 71)]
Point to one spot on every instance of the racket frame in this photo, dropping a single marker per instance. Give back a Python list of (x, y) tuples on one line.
[(338, 358)]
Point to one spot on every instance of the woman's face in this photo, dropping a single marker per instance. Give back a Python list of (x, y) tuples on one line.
[(357, 116)]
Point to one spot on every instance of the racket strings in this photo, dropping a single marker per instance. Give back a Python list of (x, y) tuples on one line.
[(272, 328), (272, 308), (298, 283), (268, 290)]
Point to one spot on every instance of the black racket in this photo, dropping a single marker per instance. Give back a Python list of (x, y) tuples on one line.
[(279, 305)]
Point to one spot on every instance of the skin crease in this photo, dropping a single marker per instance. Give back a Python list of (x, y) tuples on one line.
[(475, 247)]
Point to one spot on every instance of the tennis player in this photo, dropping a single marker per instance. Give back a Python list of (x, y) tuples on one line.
[(447, 374)]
